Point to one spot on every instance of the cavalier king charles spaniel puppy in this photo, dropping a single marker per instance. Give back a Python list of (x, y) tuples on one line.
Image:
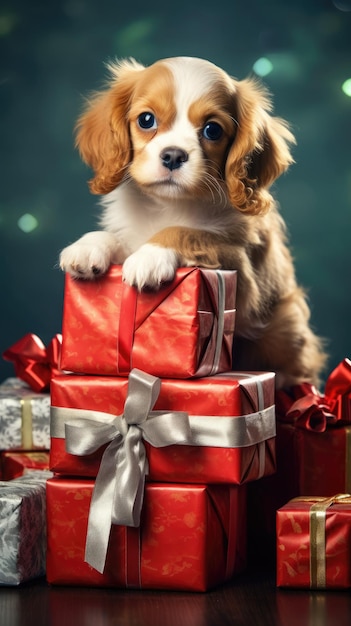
[(184, 157)]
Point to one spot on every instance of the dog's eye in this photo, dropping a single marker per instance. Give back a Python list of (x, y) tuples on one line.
[(147, 121), (212, 131)]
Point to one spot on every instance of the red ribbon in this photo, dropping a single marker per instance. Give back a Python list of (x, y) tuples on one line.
[(34, 363), (125, 337), (308, 409), (338, 391)]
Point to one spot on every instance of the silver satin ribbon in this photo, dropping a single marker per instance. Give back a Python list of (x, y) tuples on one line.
[(119, 488), (269, 414), (234, 431), (220, 322)]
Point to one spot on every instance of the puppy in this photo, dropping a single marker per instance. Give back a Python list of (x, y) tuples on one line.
[(184, 157)]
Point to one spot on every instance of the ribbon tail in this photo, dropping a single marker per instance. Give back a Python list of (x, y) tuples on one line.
[(100, 514), (132, 469)]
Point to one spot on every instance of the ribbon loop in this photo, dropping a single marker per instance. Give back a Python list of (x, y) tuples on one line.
[(34, 363), (305, 407), (338, 391), (85, 436), (143, 391)]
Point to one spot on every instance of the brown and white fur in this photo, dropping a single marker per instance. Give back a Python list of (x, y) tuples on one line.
[(184, 156)]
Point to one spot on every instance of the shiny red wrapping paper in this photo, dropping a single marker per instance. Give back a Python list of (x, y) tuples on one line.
[(191, 537), (222, 396), (14, 464), (178, 331), (314, 552)]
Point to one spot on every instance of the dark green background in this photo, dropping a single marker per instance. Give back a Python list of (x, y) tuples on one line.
[(53, 52)]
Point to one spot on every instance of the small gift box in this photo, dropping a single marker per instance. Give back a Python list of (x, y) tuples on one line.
[(182, 330), (23, 528), (314, 543), (14, 464), (312, 429), (313, 463), (219, 429), (24, 416), (191, 537)]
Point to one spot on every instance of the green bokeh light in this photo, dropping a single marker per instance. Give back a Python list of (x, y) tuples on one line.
[(346, 87), (27, 223), (263, 66)]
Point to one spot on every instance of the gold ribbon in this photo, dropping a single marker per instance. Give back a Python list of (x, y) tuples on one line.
[(317, 534), (26, 423)]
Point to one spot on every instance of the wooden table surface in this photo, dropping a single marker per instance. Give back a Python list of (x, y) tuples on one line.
[(251, 599)]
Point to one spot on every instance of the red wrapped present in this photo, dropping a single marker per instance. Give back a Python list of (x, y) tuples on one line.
[(313, 463), (185, 329), (314, 437), (219, 429), (314, 543), (191, 537), (14, 464)]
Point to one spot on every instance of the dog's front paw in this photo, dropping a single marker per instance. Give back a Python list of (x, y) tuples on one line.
[(90, 256), (150, 266)]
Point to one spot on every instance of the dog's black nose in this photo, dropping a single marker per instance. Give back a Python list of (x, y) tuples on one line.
[(173, 158)]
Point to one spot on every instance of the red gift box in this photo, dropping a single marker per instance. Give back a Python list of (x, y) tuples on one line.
[(191, 537), (313, 441), (230, 436), (14, 464), (313, 463), (314, 543), (185, 329)]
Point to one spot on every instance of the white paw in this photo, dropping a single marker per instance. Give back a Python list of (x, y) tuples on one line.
[(150, 266), (90, 256)]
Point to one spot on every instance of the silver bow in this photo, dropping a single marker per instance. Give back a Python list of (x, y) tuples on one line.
[(119, 487)]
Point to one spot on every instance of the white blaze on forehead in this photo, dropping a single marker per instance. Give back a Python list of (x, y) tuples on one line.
[(194, 78)]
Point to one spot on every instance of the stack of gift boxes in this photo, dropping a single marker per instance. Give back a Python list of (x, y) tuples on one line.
[(25, 406), (314, 459), (153, 437), (159, 452)]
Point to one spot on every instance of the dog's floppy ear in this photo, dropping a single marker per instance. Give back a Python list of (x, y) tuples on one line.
[(102, 134), (260, 151)]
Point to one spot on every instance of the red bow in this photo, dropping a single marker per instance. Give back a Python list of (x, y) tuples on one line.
[(304, 406), (338, 391), (34, 363)]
